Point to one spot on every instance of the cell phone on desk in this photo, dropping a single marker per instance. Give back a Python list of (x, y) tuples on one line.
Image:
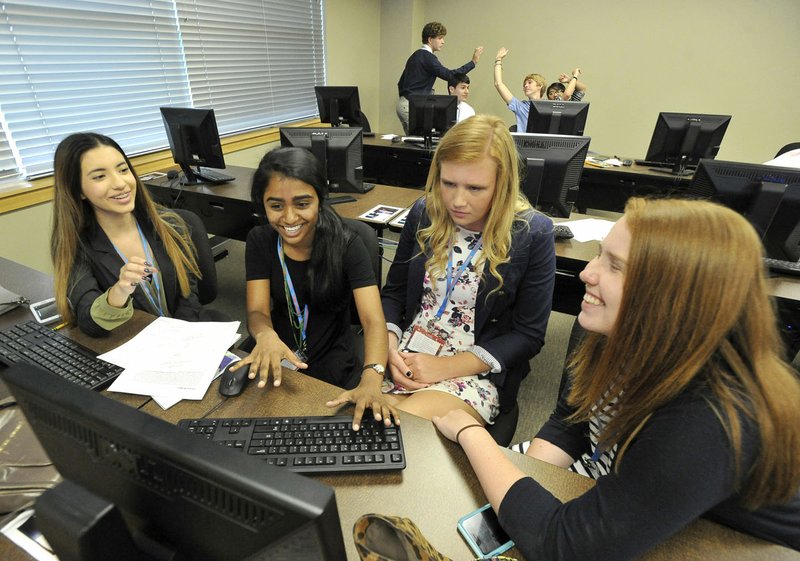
[(482, 532), (45, 311)]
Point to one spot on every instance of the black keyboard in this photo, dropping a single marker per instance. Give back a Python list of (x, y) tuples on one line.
[(37, 344), (210, 176), (309, 444), (783, 267)]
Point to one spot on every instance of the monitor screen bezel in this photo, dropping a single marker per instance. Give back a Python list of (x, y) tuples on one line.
[(343, 155), (186, 494), (193, 139), (348, 104), (561, 173), (670, 133), (571, 117)]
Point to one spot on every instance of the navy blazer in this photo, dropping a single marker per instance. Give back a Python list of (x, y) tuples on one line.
[(97, 267), (510, 324)]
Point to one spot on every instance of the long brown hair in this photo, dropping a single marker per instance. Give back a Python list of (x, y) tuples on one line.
[(72, 216), (470, 141), (695, 310)]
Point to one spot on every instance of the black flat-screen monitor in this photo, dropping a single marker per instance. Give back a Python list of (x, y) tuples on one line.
[(557, 117), (553, 165), (339, 150), (768, 196), (137, 487), (339, 105), (430, 116), (194, 141), (680, 140)]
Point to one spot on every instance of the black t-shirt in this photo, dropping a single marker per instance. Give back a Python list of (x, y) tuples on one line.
[(330, 346)]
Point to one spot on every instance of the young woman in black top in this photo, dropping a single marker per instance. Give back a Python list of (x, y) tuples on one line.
[(303, 270), (677, 402)]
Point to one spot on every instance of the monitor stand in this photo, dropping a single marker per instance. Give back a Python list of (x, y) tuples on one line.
[(80, 526)]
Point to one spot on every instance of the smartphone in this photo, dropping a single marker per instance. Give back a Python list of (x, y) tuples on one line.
[(45, 311), (483, 533)]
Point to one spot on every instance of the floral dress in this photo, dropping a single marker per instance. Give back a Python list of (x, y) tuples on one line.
[(455, 327)]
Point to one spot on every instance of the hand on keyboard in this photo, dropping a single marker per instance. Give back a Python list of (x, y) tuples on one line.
[(368, 395)]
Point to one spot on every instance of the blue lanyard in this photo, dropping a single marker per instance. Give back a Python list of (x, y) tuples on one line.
[(155, 301), (302, 316), (451, 282)]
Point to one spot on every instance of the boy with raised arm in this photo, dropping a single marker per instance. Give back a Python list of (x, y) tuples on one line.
[(422, 68), (532, 86)]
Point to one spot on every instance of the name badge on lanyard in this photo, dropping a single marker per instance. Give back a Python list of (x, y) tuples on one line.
[(427, 340), (297, 317)]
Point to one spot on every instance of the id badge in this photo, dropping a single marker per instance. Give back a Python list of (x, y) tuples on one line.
[(424, 341), (299, 354)]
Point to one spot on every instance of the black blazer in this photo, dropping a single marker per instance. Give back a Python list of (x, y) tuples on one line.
[(510, 324), (97, 267)]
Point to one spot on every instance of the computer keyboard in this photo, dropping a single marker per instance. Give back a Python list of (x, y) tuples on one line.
[(37, 344), (309, 444), (211, 176), (783, 267)]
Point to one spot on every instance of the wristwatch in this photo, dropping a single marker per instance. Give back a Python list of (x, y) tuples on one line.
[(376, 367)]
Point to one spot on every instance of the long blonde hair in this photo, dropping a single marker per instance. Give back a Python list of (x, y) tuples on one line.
[(695, 309), (470, 141), (72, 216)]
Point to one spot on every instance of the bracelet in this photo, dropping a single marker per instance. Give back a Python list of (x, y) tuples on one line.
[(574, 77), (462, 429), (498, 63)]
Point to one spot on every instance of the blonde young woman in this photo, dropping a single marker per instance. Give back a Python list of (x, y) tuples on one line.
[(469, 293), (113, 249), (678, 401)]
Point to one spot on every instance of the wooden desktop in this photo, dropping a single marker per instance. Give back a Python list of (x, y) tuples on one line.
[(436, 468)]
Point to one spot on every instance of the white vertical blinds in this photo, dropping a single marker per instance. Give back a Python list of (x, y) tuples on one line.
[(108, 65)]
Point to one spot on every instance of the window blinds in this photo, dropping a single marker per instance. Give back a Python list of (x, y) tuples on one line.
[(107, 66)]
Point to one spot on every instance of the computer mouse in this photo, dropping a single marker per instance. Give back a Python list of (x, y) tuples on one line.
[(396, 138), (232, 383), (627, 162)]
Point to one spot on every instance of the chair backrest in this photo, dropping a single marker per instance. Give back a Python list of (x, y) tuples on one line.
[(369, 236), (207, 286), (790, 146)]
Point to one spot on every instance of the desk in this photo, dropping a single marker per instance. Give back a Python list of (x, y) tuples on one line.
[(406, 165), (226, 209), (436, 468)]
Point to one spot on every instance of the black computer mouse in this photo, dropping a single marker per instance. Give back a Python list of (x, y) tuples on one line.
[(233, 383)]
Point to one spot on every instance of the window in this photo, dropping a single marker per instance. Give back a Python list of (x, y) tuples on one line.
[(108, 65)]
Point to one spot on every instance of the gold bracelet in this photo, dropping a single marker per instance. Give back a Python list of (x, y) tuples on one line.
[(462, 429)]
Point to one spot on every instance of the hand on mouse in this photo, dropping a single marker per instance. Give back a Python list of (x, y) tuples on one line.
[(266, 357)]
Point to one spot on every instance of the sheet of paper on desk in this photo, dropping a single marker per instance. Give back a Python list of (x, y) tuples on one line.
[(172, 357), (167, 401), (589, 229)]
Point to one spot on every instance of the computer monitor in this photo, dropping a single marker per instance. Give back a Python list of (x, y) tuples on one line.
[(339, 105), (768, 196), (557, 117), (194, 141), (553, 166), (430, 116), (680, 140), (339, 150), (137, 487)]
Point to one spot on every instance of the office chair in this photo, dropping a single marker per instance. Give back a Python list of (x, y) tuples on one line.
[(790, 146), (207, 286)]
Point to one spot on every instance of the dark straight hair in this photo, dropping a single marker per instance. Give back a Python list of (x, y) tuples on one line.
[(326, 269)]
